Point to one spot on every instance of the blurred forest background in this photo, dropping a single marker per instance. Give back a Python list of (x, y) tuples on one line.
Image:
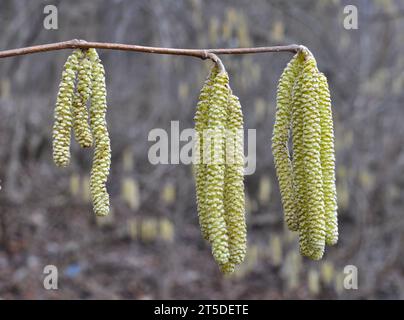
[(150, 246)]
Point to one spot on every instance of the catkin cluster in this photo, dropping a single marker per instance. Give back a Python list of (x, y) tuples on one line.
[(218, 168), (307, 177), (83, 82)]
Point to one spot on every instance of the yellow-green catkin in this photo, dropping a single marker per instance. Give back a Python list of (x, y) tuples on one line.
[(214, 154), (201, 125), (327, 154), (234, 200), (63, 113), (307, 161), (102, 152), (227, 268), (280, 139), (81, 126)]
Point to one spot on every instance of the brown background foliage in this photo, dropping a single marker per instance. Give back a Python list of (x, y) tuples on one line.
[(151, 246)]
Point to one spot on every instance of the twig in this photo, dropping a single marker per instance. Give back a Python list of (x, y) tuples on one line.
[(198, 53)]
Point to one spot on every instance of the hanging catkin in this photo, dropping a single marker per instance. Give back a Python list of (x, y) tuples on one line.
[(298, 176), (201, 125), (234, 201), (80, 114), (280, 139), (307, 183), (219, 170), (214, 154), (307, 161), (328, 161), (63, 113), (102, 152)]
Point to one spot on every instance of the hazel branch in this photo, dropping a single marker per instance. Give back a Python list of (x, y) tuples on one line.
[(198, 53)]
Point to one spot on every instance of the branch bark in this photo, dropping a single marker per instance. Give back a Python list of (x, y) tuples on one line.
[(198, 53)]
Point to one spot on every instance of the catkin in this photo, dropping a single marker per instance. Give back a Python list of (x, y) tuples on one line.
[(201, 124), (307, 162), (219, 170), (227, 268), (280, 139), (81, 127), (307, 182), (234, 201), (214, 154), (102, 152), (63, 113), (327, 154)]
